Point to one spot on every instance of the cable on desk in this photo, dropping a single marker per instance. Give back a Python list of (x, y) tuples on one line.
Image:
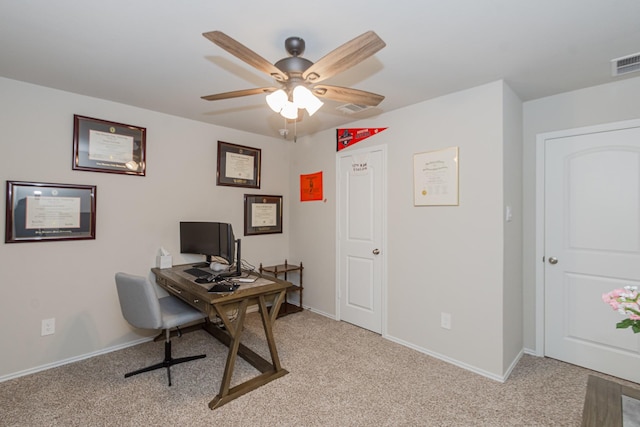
[(246, 266), (232, 318)]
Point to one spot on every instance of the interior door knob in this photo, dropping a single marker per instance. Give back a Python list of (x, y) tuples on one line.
[(376, 251), (553, 260)]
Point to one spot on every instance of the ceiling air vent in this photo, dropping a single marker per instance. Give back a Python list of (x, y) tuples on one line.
[(625, 65), (352, 108)]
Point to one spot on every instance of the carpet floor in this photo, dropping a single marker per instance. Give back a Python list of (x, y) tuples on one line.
[(339, 375)]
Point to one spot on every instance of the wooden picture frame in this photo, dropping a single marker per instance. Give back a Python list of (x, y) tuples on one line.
[(43, 212), (435, 178), (262, 214), (102, 146), (238, 165)]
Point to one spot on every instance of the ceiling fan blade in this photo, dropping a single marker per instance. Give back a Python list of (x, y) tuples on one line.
[(345, 94), (242, 52), (238, 93), (344, 57)]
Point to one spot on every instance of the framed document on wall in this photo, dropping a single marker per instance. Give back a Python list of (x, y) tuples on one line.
[(102, 146), (435, 178), (238, 166), (262, 214), (41, 212)]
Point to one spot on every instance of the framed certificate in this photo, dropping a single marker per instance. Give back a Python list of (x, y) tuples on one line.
[(262, 214), (435, 178), (238, 166), (101, 146), (42, 212)]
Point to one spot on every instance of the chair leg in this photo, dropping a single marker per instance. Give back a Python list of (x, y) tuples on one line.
[(167, 362)]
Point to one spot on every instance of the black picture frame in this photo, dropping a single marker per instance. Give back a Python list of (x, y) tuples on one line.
[(37, 211), (262, 214), (238, 165), (103, 146)]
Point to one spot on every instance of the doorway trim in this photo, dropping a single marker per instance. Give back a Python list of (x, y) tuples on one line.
[(539, 209), (384, 246)]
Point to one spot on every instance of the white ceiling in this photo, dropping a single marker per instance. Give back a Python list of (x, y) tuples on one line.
[(151, 53)]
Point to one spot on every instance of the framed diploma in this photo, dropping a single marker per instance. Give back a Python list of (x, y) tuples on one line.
[(101, 146), (42, 212), (238, 166), (262, 214), (435, 178)]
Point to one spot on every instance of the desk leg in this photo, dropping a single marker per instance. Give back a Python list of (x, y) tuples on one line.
[(270, 371), (267, 324), (233, 347)]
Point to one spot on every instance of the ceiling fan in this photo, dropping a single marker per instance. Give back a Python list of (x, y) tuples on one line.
[(299, 78)]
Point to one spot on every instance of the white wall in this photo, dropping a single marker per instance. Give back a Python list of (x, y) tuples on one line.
[(440, 259), (512, 302), (313, 223), (72, 281), (607, 103)]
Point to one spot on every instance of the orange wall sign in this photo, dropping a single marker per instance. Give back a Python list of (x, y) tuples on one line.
[(311, 187)]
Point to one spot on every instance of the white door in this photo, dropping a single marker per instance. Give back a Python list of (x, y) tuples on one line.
[(360, 254), (592, 246)]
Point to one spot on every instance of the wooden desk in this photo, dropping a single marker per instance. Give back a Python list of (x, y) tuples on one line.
[(263, 291), (603, 402)]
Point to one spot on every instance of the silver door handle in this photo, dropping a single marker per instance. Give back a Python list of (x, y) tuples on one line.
[(553, 260), (376, 251)]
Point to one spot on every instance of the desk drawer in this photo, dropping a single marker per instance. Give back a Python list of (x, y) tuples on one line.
[(186, 296)]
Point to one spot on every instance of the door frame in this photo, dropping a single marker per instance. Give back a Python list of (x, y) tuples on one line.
[(383, 246), (541, 139)]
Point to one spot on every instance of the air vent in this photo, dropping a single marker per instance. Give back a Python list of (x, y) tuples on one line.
[(625, 65), (352, 108)]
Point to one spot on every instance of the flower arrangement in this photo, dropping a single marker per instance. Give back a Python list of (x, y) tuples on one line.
[(625, 301)]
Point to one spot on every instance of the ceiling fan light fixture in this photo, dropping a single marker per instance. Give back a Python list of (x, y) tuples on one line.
[(277, 100), (303, 98), (298, 76), (289, 111)]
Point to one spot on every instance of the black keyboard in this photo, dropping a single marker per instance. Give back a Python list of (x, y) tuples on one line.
[(197, 272)]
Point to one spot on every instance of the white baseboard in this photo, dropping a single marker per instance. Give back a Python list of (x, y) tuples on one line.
[(490, 375), (73, 359), (322, 313), (255, 308), (63, 362), (514, 362)]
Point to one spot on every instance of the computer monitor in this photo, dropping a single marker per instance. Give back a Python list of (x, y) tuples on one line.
[(211, 239)]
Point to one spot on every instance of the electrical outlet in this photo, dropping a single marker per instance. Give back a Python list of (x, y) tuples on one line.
[(48, 326), (445, 320)]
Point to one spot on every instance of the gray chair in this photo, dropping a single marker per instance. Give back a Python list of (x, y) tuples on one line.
[(142, 308)]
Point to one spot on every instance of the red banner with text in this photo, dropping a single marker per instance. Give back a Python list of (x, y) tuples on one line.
[(347, 137)]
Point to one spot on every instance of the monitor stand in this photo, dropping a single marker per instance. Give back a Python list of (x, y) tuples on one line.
[(207, 263), (238, 270), (200, 265)]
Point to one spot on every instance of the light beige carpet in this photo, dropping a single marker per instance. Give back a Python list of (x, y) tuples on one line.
[(340, 375)]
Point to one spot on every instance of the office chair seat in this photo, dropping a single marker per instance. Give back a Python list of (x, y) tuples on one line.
[(142, 308)]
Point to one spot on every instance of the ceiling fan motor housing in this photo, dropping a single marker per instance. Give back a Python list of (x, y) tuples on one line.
[(294, 46), (293, 66)]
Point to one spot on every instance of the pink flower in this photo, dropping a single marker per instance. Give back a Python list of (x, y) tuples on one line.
[(625, 301)]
